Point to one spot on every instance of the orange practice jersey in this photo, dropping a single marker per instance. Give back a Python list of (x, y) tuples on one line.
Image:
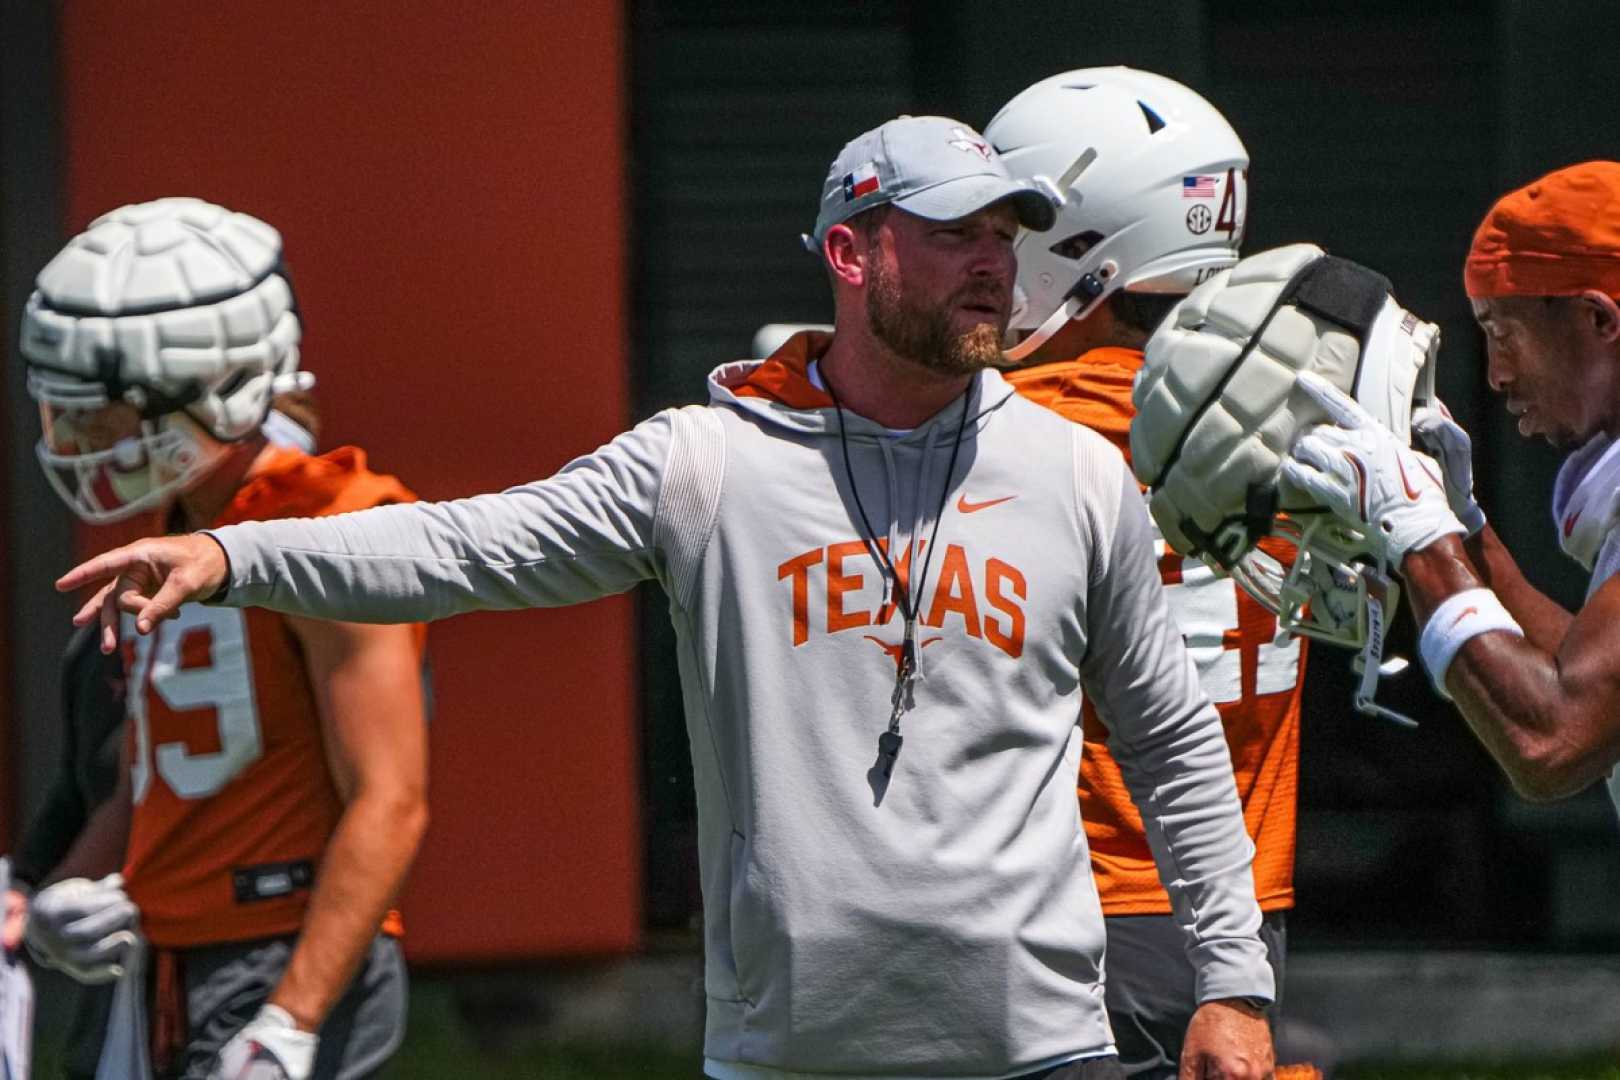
[(234, 800), (1253, 674)]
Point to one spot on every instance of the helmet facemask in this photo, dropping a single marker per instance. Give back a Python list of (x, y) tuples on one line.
[(103, 478)]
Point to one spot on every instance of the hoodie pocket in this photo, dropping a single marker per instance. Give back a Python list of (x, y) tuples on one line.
[(746, 949)]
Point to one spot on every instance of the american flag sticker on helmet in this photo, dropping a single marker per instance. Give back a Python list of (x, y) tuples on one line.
[(863, 181), (1198, 187)]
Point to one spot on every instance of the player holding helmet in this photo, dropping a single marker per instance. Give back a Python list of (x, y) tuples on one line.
[(1539, 686), (273, 792), (1154, 188)]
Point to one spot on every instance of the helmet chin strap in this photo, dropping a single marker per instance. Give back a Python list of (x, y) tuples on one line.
[(1073, 308), (1382, 596)]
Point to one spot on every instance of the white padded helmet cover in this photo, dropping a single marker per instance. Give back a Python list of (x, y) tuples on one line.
[(1217, 407), (177, 308), (176, 298)]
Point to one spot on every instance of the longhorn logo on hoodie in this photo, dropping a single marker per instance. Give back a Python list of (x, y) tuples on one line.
[(983, 597)]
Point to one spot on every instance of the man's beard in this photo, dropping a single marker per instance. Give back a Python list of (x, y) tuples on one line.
[(923, 335)]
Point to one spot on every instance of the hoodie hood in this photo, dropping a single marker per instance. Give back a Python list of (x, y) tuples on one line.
[(778, 391)]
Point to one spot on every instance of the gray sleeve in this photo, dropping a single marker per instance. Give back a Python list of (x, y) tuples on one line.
[(1171, 749), (593, 529)]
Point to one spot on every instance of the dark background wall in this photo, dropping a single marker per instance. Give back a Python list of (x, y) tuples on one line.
[(33, 624)]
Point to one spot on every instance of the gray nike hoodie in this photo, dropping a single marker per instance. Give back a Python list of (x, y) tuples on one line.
[(940, 922)]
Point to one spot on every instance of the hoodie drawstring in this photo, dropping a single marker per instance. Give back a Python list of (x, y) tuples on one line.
[(907, 597), (919, 517), (892, 490)]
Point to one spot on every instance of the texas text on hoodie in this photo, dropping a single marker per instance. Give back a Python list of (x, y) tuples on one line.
[(941, 922)]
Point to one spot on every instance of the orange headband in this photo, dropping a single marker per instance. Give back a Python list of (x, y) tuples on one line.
[(1557, 236)]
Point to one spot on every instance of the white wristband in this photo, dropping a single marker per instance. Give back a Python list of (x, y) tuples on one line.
[(1460, 617)]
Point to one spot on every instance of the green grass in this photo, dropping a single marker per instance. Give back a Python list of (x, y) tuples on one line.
[(440, 1060), (546, 1062), (437, 1046), (1591, 1069)]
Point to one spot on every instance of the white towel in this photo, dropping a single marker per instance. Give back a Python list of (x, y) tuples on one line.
[(125, 1054)]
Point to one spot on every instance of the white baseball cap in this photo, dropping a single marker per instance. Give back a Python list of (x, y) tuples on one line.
[(931, 166)]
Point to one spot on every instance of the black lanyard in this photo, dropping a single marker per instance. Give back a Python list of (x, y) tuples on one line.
[(905, 599)]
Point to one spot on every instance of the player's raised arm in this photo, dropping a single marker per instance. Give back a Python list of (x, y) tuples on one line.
[(1539, 687)]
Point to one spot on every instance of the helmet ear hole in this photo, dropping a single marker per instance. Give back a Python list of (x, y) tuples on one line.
[(1142, 311), (1076, 246)]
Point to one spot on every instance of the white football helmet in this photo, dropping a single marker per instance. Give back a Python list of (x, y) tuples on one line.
[(1154, 184), (1217, 411), (152, 339)]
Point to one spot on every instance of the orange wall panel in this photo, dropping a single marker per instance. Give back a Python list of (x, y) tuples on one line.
[(449, 184)]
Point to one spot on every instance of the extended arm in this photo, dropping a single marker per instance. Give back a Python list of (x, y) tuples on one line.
[(591, 530), (584, 533)]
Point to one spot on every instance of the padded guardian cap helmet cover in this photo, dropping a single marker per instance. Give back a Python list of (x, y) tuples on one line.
[(1217, 410), (179, 313)]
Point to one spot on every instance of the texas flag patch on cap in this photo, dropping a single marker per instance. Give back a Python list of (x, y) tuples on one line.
[(863, 181)]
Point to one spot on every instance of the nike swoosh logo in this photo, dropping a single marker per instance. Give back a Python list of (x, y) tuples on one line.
[(966, 507), (1361, 480), (1569, 523), (1405, 483), (1461, 615)]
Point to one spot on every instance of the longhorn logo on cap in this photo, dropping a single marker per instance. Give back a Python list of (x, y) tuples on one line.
[(969, 143)]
